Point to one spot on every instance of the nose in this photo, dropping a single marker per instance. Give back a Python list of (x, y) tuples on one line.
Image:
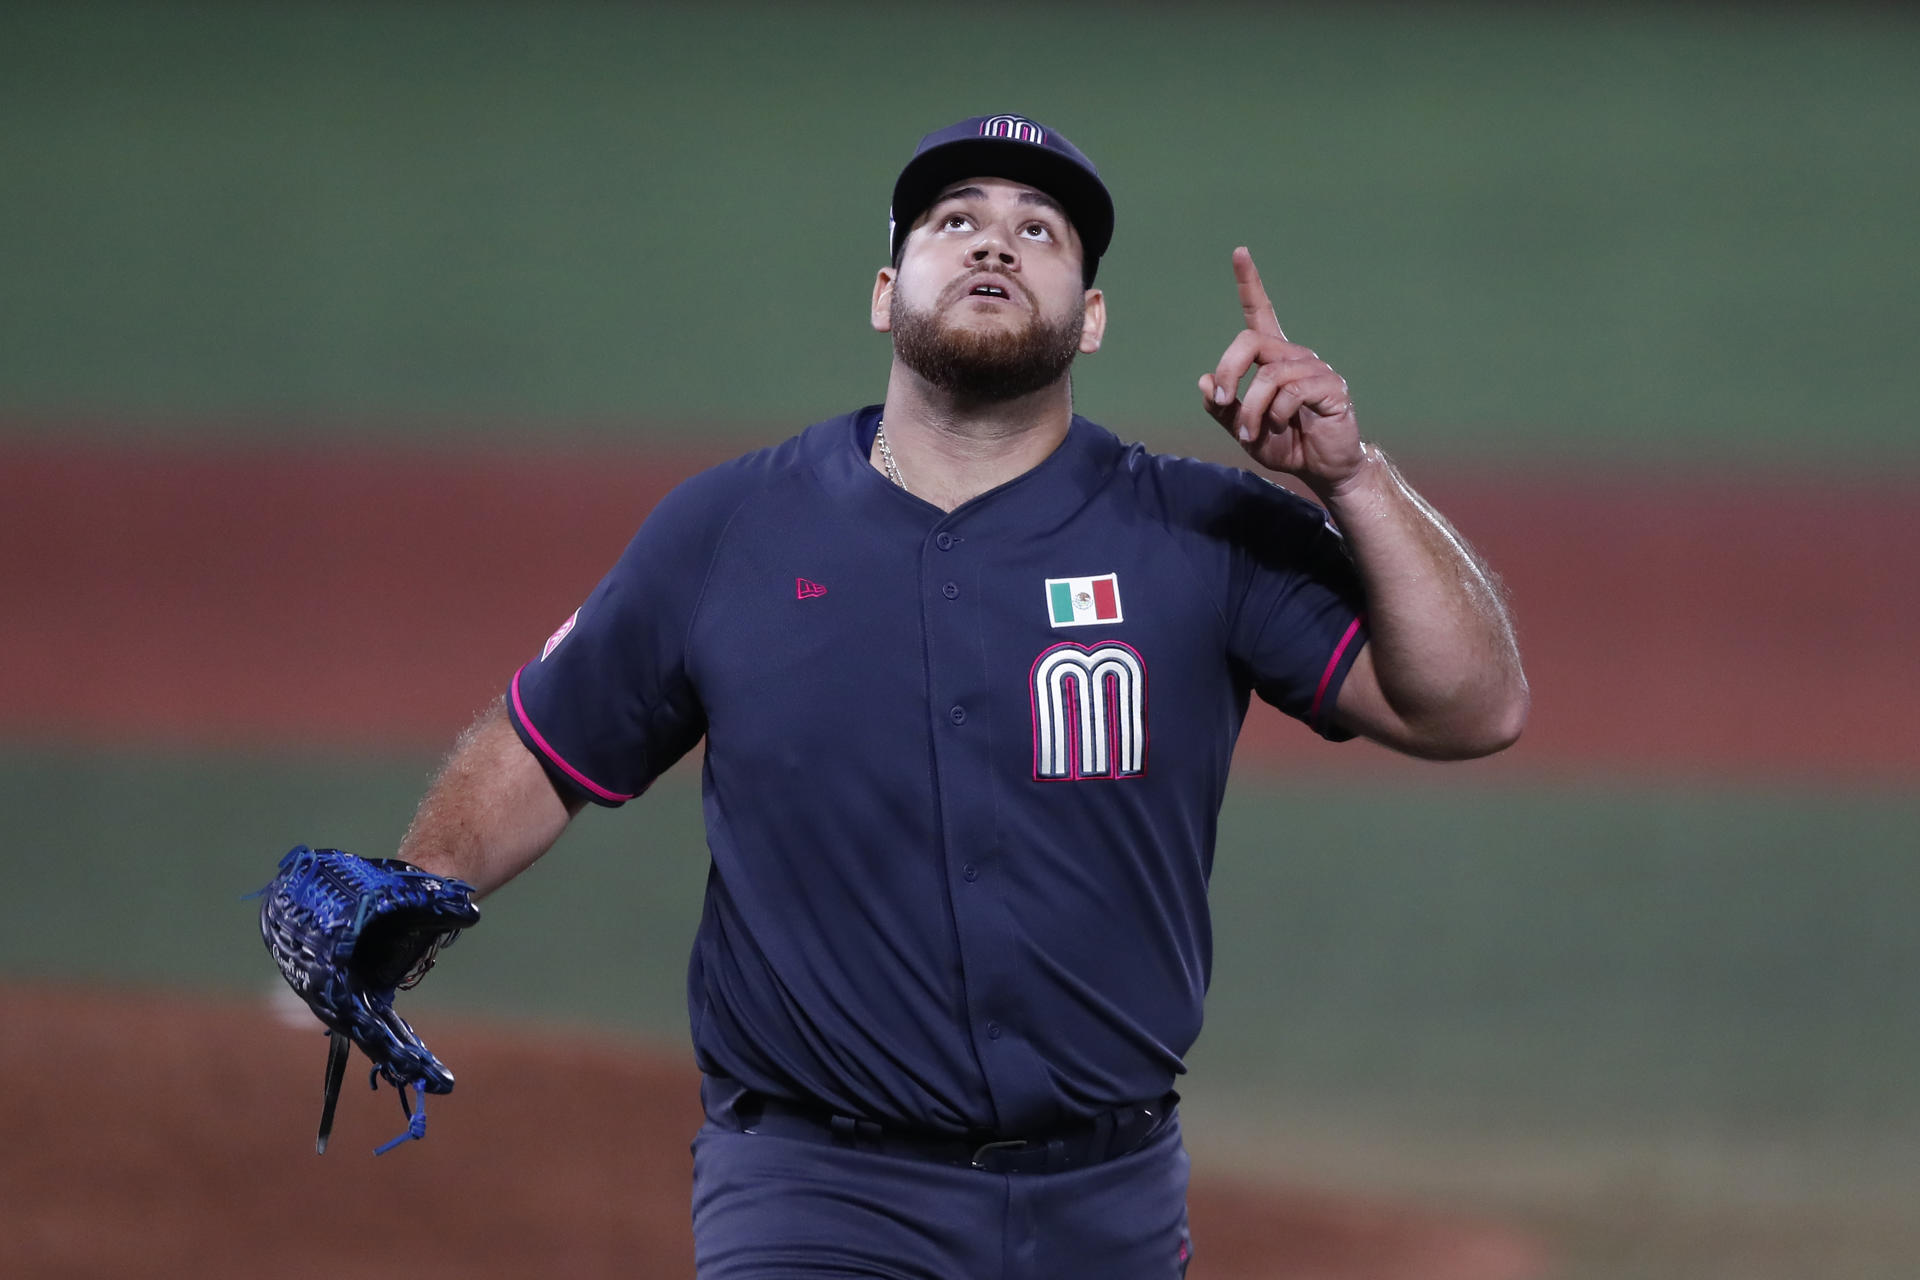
[(992, 246)]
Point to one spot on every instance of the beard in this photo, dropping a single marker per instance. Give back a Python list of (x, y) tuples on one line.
[(985, 366)]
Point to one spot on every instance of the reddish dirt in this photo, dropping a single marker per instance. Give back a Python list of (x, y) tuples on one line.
[(150, 1136), (165, 596)]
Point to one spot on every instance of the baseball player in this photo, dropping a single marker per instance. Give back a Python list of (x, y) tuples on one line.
[(969, 670)]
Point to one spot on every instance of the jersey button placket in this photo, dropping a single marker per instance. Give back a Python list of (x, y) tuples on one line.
[(964, 777)]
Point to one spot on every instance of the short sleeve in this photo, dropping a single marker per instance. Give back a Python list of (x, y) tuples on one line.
[(607, 705), (1299, 622)]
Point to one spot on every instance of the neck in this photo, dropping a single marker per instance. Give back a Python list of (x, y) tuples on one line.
[(950, 450)]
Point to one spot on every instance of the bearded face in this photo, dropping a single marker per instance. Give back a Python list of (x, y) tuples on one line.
[(985, 363)]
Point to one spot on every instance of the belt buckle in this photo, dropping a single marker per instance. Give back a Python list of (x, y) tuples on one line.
[(1009, 1144)]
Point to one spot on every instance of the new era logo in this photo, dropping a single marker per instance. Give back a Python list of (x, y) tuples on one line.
[(804, 589)]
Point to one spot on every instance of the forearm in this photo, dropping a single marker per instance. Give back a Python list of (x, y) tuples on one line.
[(490, 813), (1441, 647)]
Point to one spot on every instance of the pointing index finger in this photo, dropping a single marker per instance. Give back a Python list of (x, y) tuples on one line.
[(1254, 303)]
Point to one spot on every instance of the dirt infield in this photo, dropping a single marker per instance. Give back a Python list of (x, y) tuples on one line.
[(148, 1136), (1689, 628)]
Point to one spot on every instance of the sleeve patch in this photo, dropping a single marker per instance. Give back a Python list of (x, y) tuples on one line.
[(553, 641)]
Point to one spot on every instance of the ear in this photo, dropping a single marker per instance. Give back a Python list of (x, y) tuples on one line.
[(882, 317), (1095, 326)]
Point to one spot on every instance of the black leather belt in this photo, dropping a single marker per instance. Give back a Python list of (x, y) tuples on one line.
[(1107, 1136)]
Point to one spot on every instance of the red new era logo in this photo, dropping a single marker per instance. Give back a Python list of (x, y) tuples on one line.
[(806, 590)]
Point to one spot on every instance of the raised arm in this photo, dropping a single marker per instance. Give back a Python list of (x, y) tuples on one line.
[(1440, 676), (491, 811)]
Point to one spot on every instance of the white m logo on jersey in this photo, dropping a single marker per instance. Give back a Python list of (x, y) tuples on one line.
[(1089, 712)]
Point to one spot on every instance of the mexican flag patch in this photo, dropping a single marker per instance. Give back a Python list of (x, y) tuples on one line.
[(1081, 602)]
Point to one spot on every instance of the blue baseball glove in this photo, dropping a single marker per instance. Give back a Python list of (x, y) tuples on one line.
[(348, 933)]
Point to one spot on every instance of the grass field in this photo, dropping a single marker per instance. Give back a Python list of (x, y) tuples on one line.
[(1598, 232), (1734, 961)]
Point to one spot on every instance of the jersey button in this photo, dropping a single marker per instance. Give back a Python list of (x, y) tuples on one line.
[(943, 540), (993, 1031), (951, 591), (958, 715), (969, 872)]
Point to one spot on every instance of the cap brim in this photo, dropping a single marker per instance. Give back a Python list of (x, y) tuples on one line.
[(1079, 192)]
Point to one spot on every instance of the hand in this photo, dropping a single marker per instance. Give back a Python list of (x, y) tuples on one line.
[(1296, 416)]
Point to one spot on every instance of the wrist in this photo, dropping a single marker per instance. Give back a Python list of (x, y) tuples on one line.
[(1363, 480)]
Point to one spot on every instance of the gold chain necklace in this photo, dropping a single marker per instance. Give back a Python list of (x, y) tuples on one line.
[(886, 456)]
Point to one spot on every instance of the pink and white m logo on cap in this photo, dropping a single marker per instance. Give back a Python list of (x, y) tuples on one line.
[(1017, 128)]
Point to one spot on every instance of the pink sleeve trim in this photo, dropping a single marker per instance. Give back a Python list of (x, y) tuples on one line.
[(1326, 677), (553, 755)]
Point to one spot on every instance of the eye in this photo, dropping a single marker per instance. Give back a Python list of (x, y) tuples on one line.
[(1037, 231), (955, 222)]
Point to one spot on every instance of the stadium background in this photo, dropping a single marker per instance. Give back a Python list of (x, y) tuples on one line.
[(343, 345)]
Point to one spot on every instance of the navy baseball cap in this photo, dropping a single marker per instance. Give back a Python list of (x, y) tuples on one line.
[(1011, 147)]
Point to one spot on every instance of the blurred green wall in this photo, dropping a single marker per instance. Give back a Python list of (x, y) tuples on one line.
[(1629, 233)]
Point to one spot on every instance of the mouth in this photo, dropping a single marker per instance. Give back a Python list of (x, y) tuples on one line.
[(990, 288)]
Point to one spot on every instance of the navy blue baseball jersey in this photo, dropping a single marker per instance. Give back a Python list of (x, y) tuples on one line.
[(963, 770)]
